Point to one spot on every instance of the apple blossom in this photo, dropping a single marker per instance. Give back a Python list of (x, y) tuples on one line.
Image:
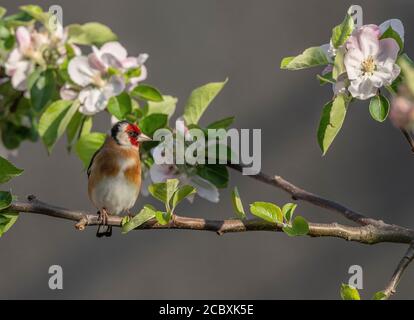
[(370, 62), (114, 55), (97, 86)]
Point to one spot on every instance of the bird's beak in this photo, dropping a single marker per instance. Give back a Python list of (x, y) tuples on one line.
[(142, 138)]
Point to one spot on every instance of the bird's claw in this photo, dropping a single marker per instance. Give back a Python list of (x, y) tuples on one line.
[(103, 219)]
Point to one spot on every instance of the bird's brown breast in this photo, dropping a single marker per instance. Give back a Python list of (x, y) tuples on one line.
[(110, 160)]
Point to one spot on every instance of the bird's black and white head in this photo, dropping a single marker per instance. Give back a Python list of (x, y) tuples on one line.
[(128, 134)]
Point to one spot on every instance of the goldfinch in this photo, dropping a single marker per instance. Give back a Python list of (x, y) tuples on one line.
[(114, 173)]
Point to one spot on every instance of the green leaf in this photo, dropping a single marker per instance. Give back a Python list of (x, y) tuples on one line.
[(7, 220), (333, 116), (8, 170), (153, 122), (238, 205), (87, 146), (36, 12), (182, 193), (339, 66), (146, 214), (221, 124), (342, 32), (120, 105), (171, 186), (55, 120), (217, 174), (90, 33), (167, 106), (288, 210), (407, 68), (5, 200), (146, 92), (379, 107), (311, 57), (392, 34), (199, 100), (162, 217), (43, 90), (300, 227), (349, 293), (159, 191), (380, 295), (2, 12), (74, 126), (267, 211)]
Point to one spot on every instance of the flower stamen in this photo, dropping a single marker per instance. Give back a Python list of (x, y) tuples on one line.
[(368, 66)]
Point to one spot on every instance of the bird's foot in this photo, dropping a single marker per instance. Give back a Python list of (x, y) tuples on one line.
[(103, 218)]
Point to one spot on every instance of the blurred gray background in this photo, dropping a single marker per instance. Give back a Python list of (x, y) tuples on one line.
[(369, 167)]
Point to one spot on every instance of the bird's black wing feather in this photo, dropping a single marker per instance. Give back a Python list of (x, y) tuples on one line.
[(88, 171)]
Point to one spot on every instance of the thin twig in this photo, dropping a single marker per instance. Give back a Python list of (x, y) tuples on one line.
[(396, 277), (300, 194), (409, 138)]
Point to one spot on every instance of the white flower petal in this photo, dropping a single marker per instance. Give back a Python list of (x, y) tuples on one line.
[(362, 88), (205, 189), (80, 71), (352, 61), (68, 93), (142, 58), (115, 49), (114, 87), (92, 101), (161, 172), (388, 50)]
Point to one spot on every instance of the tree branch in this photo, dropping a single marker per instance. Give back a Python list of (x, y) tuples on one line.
[(300, 194), (396, 277), (367, 234)]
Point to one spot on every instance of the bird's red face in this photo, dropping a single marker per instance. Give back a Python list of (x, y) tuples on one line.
[(128, 134), (133, 133)]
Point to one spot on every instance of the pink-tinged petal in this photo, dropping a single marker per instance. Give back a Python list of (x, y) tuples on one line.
[(21, 74), (369, 43), (395, 24), (80, 71), (110, 60), (96, 62), (114, 87), (114, 48), (92, 101), (23, 38), (388, 50), (14, 57), (68, 93), (130, 62), (365, 39), (352, 61), (205, 189)]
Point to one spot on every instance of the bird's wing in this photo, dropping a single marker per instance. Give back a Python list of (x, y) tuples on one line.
[(88, 171)]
